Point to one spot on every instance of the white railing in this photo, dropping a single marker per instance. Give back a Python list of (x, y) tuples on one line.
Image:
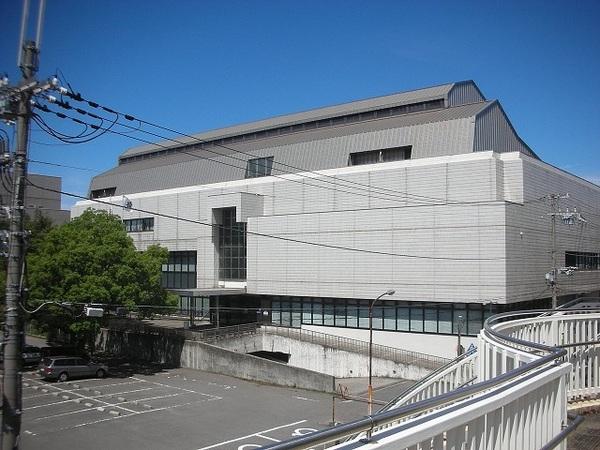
[(526, 367), (460, 372), (397, 355)]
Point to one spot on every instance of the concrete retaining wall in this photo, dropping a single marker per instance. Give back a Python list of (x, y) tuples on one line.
[(322, 359), (177, 352)]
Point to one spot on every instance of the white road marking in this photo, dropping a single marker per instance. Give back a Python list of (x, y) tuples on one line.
[(180, 388), (128, 415), (110, 385), (267, 437), (85, 397), (158, 397), (307, 399), (253, 435), (92, 397)]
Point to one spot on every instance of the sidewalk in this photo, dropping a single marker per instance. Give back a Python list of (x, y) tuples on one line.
[(384, 389)]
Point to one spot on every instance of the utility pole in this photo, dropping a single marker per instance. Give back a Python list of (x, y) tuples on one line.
[(20, 112), (13, 332), (568, 218), (554, 199)]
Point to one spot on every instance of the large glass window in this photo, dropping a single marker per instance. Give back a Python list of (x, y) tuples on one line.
[(232, 247), (389, 316), (259, 167), (583, 260), (416, 317), (180, 271), (382, 155), (136, 225), (105, 192)]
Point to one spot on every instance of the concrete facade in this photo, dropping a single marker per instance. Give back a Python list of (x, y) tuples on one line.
[(38, 200), (462, 222)]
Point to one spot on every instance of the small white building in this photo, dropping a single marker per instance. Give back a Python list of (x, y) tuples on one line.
[(304, 219)]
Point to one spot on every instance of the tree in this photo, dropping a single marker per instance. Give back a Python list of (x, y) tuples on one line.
[(92, 260), (36, 227)]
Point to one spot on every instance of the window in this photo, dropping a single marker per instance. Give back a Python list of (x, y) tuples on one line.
[(583, 260), (104, 192), (382, 155), (180, 270), (232, 247), (136, 225), (259, 167)]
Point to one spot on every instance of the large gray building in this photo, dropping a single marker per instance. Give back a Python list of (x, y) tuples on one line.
[(307, 217), (38, 201)]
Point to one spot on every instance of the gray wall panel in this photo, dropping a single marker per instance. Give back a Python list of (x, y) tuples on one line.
[(494, 132), (464, 92)]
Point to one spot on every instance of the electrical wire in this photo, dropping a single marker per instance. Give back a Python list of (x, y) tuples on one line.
[(254, 233), (419, 197), (286, 178), (35, 161)]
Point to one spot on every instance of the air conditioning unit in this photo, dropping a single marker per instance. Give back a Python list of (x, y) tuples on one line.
[(93, 312)]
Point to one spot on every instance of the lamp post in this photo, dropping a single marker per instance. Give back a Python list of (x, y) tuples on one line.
[(459, 326), (370, 388)]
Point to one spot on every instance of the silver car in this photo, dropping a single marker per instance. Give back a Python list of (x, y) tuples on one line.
[(62, 368)]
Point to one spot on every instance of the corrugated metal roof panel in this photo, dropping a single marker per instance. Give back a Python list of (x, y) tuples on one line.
[(414, 119), (402, 98), (464, 92), (493, 131), (435, 133)]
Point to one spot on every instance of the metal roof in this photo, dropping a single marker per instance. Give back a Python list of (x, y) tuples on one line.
[(371, 104), (408, 120)]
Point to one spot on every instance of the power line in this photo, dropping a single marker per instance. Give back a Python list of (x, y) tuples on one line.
[(254, 233), (78, 97), (286, 178), (35, 161)]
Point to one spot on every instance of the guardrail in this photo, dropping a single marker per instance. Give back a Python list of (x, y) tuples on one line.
[(456, 374), (208, 335), (357, 346), (526, 366)]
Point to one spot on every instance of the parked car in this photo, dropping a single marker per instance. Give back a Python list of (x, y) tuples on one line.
[(62, 368), (31, 355)]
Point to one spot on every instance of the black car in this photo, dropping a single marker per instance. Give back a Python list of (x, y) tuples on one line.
[(31, 355)]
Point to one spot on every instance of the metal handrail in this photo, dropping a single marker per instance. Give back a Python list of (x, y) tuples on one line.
[(423, 381), (211, 334), (358, 346), (515, 376), (576, 420)]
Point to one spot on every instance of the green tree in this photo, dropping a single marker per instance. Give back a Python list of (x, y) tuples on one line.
[(92, 260), (36, 227)]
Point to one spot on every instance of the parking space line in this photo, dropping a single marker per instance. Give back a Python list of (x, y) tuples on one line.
[(267, 437), (252, 435), (91, 397), (179, 388), (65, 391), (128, 415), (104, 385), (158, 397)]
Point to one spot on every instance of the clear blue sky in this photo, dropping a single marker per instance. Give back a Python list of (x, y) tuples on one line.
[(198, 65)]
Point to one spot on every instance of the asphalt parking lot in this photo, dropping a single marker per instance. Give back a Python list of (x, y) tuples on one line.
[(177, 408)]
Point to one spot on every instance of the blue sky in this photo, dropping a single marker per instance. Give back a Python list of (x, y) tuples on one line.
[(199, 65)]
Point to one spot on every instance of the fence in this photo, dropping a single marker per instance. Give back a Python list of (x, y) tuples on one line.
[(525, 368), (357, 346)]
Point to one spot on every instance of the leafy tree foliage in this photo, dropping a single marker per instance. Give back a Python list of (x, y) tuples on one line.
[(92, 260), (36, 226)]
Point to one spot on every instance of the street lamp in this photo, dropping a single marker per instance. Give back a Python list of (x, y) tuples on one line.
[(370, 388), (459, 325)]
